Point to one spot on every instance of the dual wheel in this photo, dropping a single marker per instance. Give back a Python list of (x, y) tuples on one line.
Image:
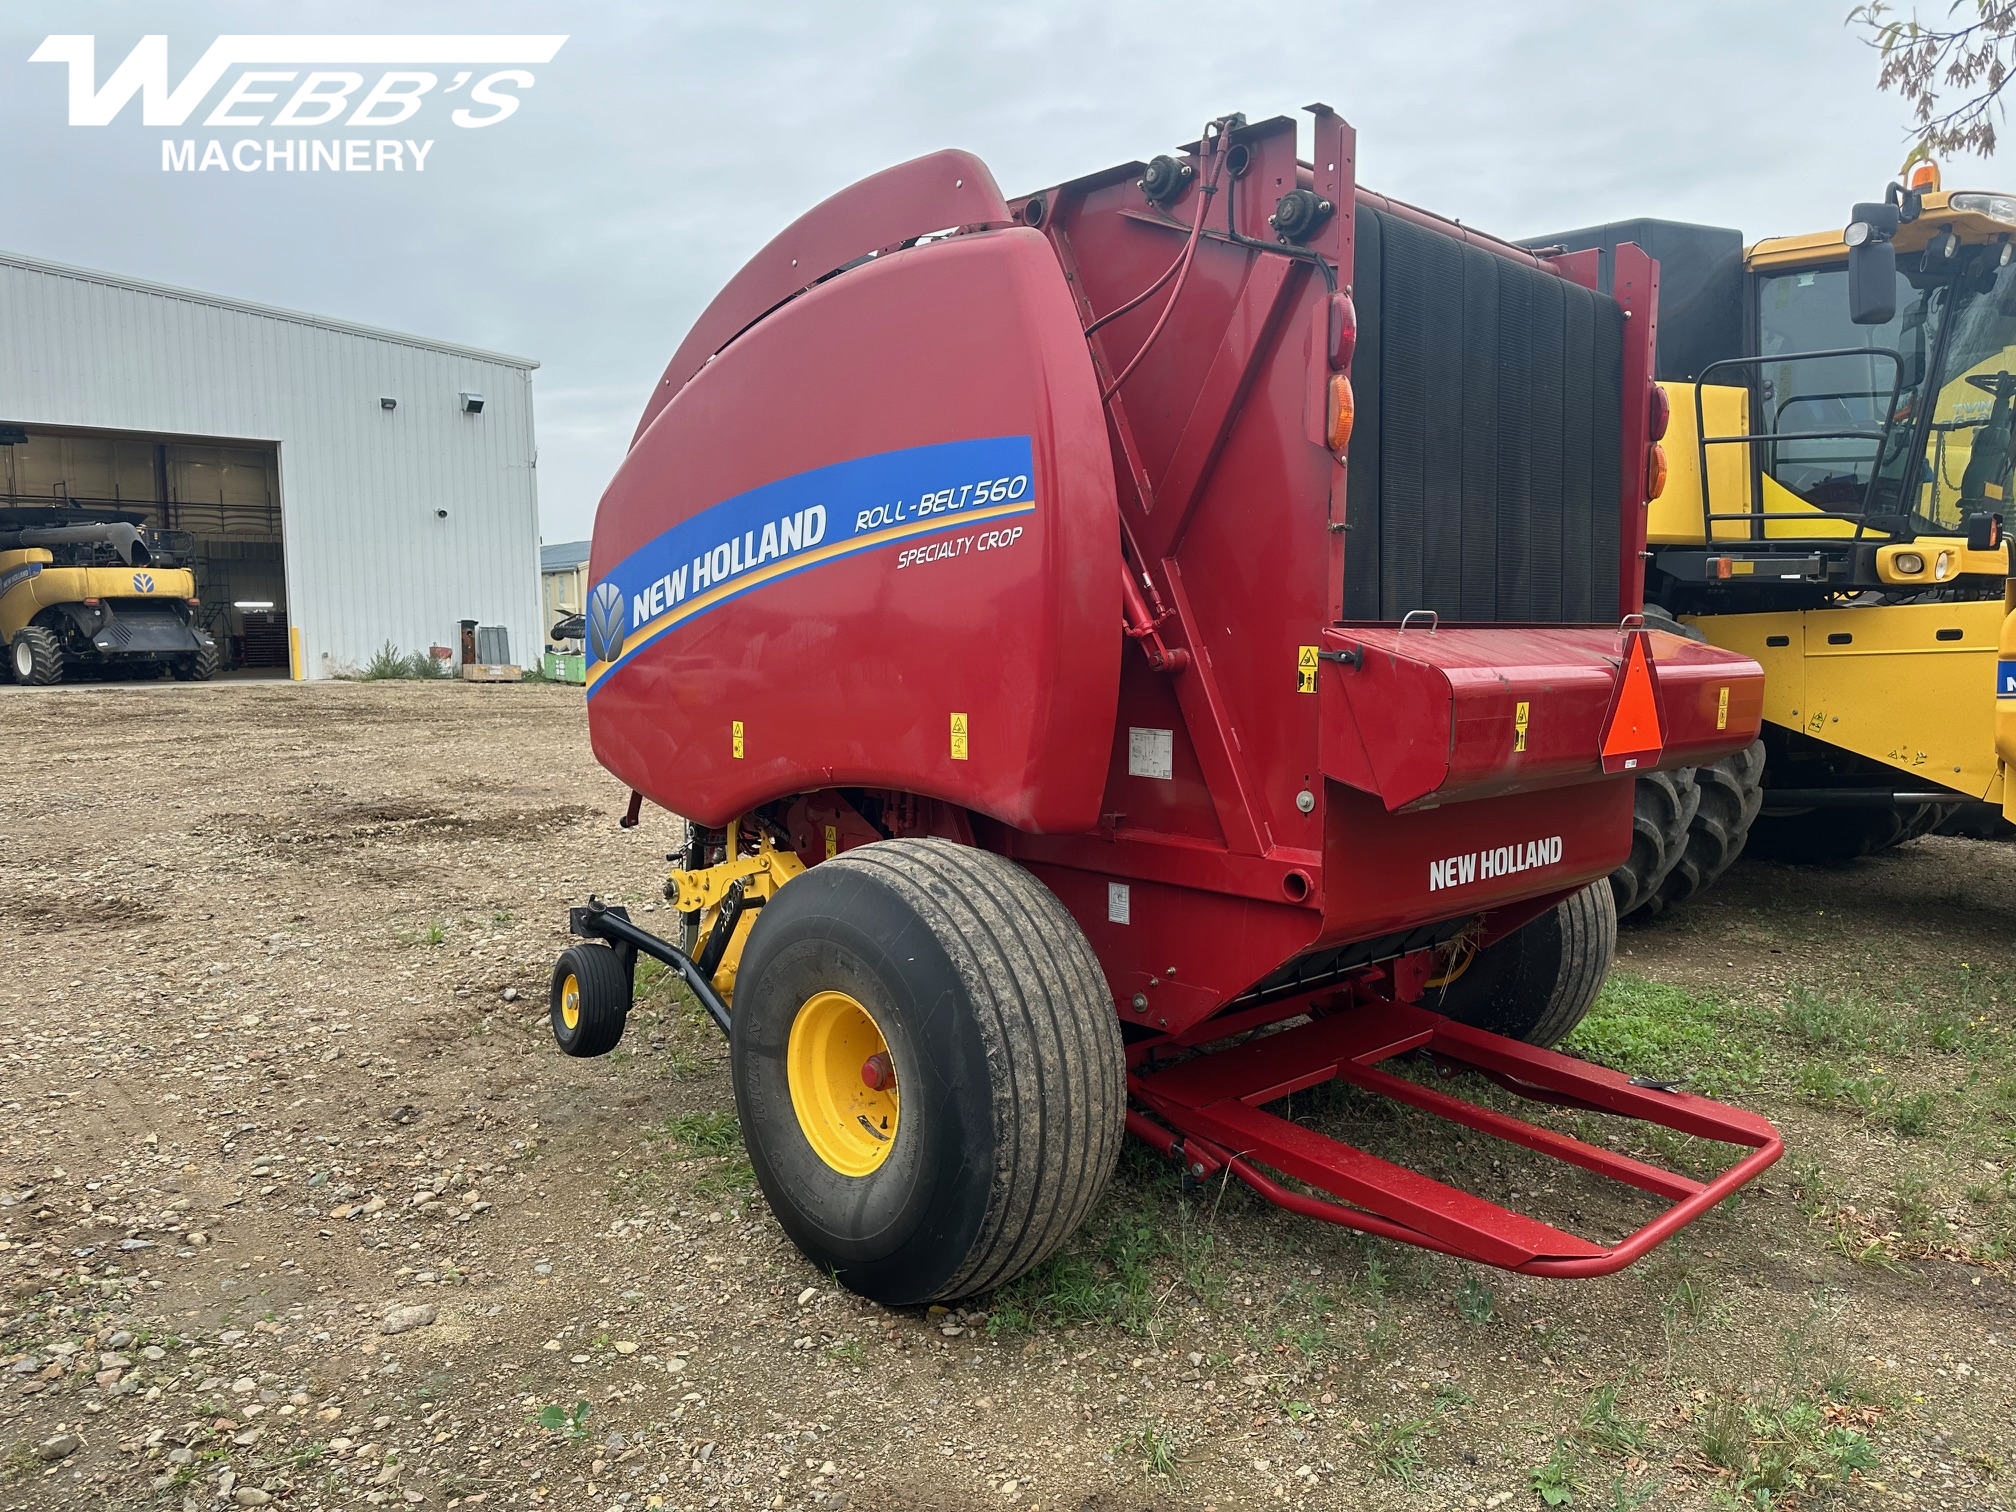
[(927, 1065)]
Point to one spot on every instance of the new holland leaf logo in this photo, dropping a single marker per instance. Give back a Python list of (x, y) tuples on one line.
[(608, 622), (143, 582)]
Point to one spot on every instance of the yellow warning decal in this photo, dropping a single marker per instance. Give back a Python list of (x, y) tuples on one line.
[(832, 842), (1519, 719), (738, 740), (1305, 669), (1722, 707), (958, 737)]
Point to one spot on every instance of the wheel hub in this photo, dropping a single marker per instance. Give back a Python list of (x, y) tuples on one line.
[(843, 1083), (570, 1003)]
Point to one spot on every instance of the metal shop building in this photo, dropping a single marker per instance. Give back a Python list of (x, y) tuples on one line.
[(343, 486)]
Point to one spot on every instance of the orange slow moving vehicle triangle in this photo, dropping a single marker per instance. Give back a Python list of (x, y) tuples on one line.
[(1634, 736)]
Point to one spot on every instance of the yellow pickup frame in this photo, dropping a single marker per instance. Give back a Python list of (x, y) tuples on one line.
[(703, 891), (695, 891)]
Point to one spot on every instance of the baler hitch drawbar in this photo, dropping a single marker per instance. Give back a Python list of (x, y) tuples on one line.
[(601, 921)]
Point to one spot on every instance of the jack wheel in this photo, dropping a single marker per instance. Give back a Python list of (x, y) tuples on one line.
[(928, 1069), (590, 1000)]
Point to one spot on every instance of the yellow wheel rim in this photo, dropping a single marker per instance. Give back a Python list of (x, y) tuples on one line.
[(570, 1003), (849, 1124)]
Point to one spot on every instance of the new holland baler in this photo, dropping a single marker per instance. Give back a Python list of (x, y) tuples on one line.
[(1125, 655)]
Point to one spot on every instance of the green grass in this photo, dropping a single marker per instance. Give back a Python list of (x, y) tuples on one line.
[(699, 1134), (1396, 1448), (1556, 1480), (1147, 1248), (1647, 1028), (1775, 1450), (1607, 1431), (1156, 1446)]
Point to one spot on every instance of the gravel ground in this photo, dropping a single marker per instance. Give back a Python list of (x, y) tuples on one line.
[(299, 1206)]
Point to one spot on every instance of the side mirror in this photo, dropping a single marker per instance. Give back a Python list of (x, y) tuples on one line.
[(1872, 265)]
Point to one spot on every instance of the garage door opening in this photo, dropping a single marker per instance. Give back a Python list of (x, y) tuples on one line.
[(215, 506)]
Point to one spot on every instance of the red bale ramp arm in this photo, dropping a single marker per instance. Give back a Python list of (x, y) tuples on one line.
[(1212, 1107)]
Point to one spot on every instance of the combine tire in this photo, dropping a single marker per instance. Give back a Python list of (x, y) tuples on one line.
[(1731, 792), (201, 666), (36, 657), (1663, 808), (1832, 836), (1535, 985), (590, 999), (928, 1069)]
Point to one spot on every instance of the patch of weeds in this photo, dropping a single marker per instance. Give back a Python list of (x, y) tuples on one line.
[(434, 934), (734, 1174), (1912, 1116), (1772, 1451), (386, 663), (1607, 1431), (424, 666), (1829, 1022), (702, 1133), (1628, 1495), (568, 1421), (1556, 1480), (1396, 1448), (1651, 1029), (1125, 1273), (1156, 1446), (1449, 1397), (1473, 1301), (849, 1351)]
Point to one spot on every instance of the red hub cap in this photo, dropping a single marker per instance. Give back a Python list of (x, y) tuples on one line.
[(878, 1072)]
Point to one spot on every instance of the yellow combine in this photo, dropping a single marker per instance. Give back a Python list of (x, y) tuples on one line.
[(95, 595), (1840, 444)]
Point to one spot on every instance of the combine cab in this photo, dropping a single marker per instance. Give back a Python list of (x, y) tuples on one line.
[(1051, 706), (1841, 454)]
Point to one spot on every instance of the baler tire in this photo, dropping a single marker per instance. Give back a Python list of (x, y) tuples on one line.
[(1663, 806), (1009, 1098), (36, 657), (1731, 792), (1537, 983), (589, 1001)]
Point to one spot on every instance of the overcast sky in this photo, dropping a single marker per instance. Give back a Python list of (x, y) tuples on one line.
[(666, 142)]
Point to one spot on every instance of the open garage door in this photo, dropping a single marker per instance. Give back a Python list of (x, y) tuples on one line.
[(218, 502)]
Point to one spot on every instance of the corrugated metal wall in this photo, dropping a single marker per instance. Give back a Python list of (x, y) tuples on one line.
[(368, 558)]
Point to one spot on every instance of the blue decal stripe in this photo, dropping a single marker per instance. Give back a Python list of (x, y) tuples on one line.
[(785, 567)]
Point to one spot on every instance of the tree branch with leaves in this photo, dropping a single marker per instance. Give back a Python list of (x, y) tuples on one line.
[(1929, 67)]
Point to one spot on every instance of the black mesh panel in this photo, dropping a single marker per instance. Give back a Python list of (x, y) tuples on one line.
[(1484, 464)]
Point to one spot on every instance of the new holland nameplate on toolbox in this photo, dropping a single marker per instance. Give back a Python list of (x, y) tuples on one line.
[(809, 520)]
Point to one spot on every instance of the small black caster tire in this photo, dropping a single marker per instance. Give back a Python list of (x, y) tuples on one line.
[(590, 1000)]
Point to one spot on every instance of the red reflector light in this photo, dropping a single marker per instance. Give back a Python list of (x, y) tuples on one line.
[(1655, 472), (92, 602), (1343, 332), (1661, 415), (1343, 406)]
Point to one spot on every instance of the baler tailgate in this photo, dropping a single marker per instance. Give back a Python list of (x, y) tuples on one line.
[(1213, 1105)]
